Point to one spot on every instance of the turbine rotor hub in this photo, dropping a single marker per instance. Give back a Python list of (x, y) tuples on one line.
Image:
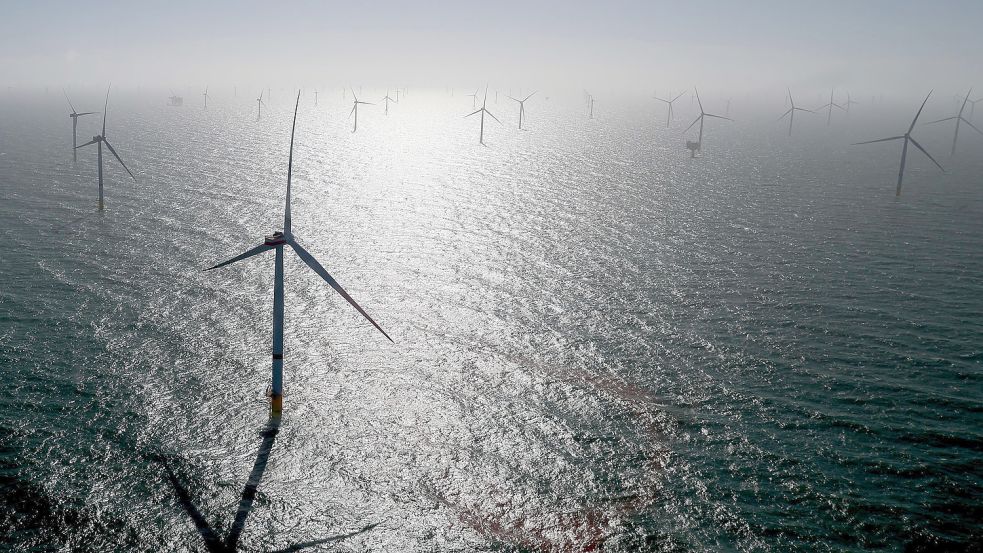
[(276, 239)]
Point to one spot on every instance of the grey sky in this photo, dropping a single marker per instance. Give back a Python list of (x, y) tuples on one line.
[(740, 46)]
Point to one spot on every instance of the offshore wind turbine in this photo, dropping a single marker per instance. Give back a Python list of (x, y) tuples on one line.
[(315, 96), (99, 140), (830, 106), (972, 107), (700, 118), (355, 109), (669, 103), (259, 106), (850, 102), (959, 119), (276, 242), (791, 112), (904, 150), (75, 123), (205, 95), (482, 110), (474, 98), (387, 99), (522, 107)]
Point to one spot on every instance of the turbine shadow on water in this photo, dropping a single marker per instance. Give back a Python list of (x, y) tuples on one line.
[(213, 541)]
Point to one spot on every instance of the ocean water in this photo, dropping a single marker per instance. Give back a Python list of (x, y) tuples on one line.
[(600, 344)]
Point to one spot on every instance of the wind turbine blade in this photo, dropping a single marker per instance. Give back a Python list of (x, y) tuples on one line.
[(531, 95), (493, 117), (919, 146), (86, 144), (105, 111), (913, 121), (511, 98), (290, 169), (698, 99), (661, 100), (317, 268), (972, 125), (804, 109), (784, 115), (86, 113), (717, 116), (680, 95), (351, 112), (941, 120), (353, 94), (257, 250), (472, 113), (119, 159), (878, 140), (69, 101), (695, 121)]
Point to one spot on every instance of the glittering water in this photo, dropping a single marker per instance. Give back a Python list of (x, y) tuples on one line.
[(600, 343)]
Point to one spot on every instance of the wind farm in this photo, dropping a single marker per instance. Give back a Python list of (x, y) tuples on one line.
[(621, 321)]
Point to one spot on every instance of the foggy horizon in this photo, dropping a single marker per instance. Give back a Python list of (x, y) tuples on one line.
[(872, 48)]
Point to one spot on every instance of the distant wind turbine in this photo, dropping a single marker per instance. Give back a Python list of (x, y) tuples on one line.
[(700, 118), (259, 106), (276, 242), (474, 98), (791, 112), (522, 107), (904, 151), (830, 106), (387, 99), (850, 102), (482, 110), (315, 96), (75, 123), (99, 140), (205, 96), (591, 106), (669, 103), (972, 108), (355, 108), (959, 119)]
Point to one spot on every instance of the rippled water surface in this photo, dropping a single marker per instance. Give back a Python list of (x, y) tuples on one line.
[(599, 342)]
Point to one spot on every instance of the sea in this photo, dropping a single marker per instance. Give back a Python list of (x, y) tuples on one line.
[(599, 342)]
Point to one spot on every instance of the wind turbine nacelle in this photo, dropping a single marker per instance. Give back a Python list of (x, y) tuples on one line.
[(275, 239)]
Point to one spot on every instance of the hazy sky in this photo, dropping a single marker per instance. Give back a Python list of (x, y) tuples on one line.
[(738, 45)]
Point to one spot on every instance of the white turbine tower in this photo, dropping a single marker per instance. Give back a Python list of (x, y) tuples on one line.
[(99, 140), (259, 106), (904, 150), (959, 119), (276, 242), (75, 123), (474, 97), (205, 96), (482, 110), (355, 109), (387, 99)]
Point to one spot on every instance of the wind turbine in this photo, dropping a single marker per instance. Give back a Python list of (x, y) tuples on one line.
[(482, 110), (522, 107), (959, 119), (276, 242), (315, 96), (591, 106), (387, 100), (830, 106), (791, 112), (669, 103), (99, 140), (904, 151), (355, 109), (972, 107), (259, 106), (474, 97), (75, 123), (205, 95), (850, 102), (699, 119)]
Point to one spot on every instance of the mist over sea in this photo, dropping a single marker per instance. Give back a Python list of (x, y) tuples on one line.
[(599, 342)]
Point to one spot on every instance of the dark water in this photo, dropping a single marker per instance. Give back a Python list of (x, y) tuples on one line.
[(600, 343)]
